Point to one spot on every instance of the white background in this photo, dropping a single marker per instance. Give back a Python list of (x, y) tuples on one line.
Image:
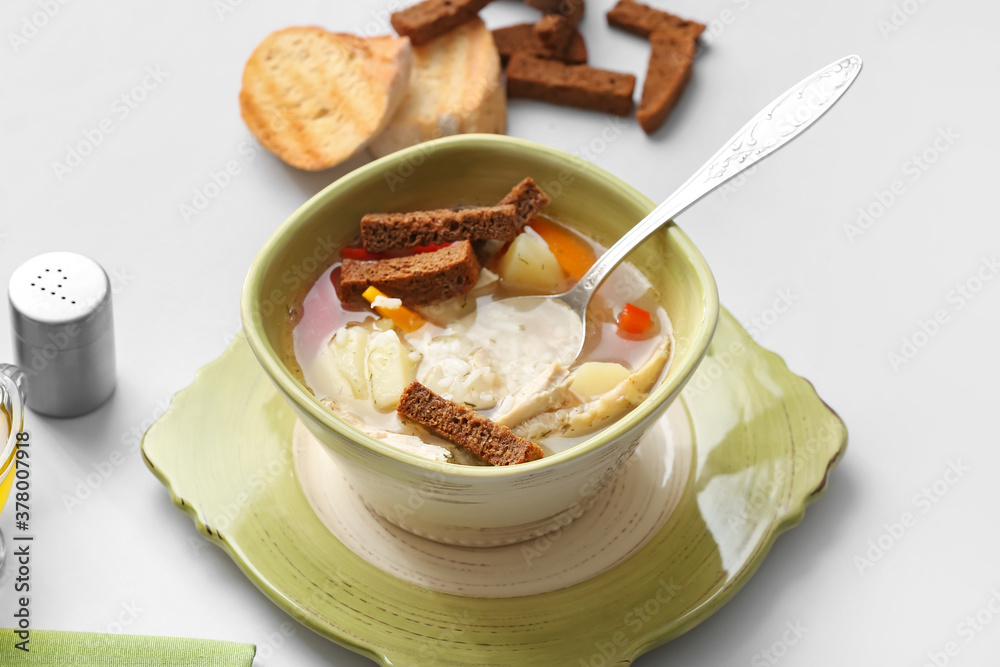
[(854, 298)]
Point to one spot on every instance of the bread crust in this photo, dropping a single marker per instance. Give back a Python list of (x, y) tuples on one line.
[(426, 20), (643, 20), (579, 86), (388, 231), (491, 442), (417, 280), (316, 98), (670, 64), (522, 38), (456, 86), (555, 32)]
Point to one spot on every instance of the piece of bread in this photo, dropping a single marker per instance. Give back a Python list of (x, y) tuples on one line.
[(521, 38), (529, 200), (432, 18), (579, 86), (643, 20), (315, 98), (493, 443), (388, 231), (668, 74), (456, 86), (417, 280), (555, 32), (571, 10)]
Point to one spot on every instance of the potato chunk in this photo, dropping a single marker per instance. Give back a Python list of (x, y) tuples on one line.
[(528, 264), (391, 367), (596, 378), (349, 345)]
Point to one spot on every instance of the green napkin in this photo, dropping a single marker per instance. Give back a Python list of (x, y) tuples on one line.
[(47, 648)]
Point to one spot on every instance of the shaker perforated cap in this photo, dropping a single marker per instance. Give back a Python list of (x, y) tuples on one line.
[(61, 314)]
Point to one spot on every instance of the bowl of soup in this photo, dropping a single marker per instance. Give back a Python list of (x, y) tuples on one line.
[(647, 330)]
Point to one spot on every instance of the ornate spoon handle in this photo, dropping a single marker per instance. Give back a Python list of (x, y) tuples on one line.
[(775, 126)]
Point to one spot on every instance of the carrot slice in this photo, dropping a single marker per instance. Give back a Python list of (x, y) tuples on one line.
[(634, 320), (574, 255), (401, 316)]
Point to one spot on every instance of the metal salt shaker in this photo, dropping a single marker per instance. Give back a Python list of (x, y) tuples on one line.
[(61, 314)]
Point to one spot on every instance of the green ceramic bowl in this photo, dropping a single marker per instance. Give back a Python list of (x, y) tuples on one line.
[(480, 506)]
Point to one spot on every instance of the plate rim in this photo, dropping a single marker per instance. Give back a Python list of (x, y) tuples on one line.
[(668, 630)]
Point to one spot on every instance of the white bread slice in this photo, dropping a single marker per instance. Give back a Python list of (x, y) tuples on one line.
[(316, 98), (455, 88)]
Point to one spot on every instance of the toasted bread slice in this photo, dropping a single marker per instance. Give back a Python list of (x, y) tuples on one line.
[(388, 231), (415, 279), (643, 20), (669, 72), (579, 86), (503, 222), (455, 88), (315, 98), (430, 19), (522, 38), (493, 443)]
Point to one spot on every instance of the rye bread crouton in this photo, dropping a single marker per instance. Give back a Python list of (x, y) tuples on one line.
[(429, 19), (386, 231), (417, 280), (571, 10), (579, 86), (555, 32), (529, 200), (521, 38), (668, 74), (491, 442), (643, 20)]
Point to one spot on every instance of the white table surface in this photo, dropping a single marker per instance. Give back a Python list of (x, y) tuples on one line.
[(125, 559)]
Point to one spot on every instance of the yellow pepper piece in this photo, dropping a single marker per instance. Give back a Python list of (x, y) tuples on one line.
[(401, 316)]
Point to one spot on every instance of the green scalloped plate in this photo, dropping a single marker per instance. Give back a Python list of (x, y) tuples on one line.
[(764, 445)]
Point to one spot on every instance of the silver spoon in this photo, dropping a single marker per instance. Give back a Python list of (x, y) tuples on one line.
[(776, 125)]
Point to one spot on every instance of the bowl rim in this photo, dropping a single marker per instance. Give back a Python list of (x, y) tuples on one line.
[(305, 400)]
